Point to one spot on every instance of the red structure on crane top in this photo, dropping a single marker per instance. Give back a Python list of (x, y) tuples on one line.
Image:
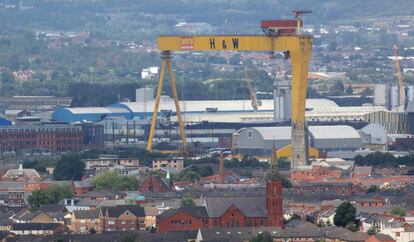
[(279, 26)]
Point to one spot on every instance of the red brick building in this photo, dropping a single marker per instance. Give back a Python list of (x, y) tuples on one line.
[(156, 184), (54, 138), (316, 173), (376, 202), (82, 187), (228, 212), (122, 218), (339, 189)]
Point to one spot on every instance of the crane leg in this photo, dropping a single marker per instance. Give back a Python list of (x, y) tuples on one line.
[(177, 106), (300, 61), (156, 105)]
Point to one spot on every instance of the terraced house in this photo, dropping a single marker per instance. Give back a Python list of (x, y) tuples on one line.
[(122, 218)]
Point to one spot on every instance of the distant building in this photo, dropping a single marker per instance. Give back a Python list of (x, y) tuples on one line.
[(175, 163), (5, 122), (315, 173), (21, 174), (83, 221), (122, 218), (327, 75), (93, 135), (95, 114), (34, 102), (82, 187), (261, 140), (194, 27), (227, 212), (150, 73), (50, 137), (37, 229), (105, 161), (156, 184), (54, 138)]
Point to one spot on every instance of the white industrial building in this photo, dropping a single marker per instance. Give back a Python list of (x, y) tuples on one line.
[(260, 140), (373, 135)]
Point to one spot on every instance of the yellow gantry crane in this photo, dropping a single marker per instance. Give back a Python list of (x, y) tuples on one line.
[(280, 35), (253, 97), (399, 78)]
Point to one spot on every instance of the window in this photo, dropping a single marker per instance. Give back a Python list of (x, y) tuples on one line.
[(250, 134), (111, 222)]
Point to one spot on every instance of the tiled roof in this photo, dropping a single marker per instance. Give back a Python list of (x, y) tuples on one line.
[(249, 206), (118, 210), (87, 183), (195, 211), (102, 193), (383, 237), (86, 214), (35, 226)]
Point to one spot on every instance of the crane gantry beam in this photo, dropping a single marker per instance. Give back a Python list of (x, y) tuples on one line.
[(300, 50), (252, 93), (400, 79)]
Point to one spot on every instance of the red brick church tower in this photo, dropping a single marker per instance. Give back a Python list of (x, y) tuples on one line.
[(274, 203)]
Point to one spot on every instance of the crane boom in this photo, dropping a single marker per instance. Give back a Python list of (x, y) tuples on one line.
[(399, 76), (253, 97)]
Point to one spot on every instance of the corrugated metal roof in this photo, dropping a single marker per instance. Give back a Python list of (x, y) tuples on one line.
[(334, 132), (94, 110), (343, 111), (221, 105), (275, 133), (318, 132)]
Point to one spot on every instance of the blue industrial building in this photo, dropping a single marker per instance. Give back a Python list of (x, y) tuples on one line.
[(5, 122), (144, 109), (94, 114)]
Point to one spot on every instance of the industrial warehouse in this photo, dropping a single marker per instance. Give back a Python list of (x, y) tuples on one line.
[(235, 124)]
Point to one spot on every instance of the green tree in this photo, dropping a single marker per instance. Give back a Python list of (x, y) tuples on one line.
[(337, 88), (187, 200), (129, 238), (51, 195), (345, 214), (372, 230), (352, 227), (114, 181), (7, 77), (69, 167), (283, 163), (39, 197), (191, 176), (349, 90), (373, 188), (398, 211), (262, 237)]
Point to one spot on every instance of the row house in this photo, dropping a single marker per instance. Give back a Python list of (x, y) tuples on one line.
[(37, 229), (105, 219), (122, 218), (85, 221), (393, 226), (106, 161), (316, 173)]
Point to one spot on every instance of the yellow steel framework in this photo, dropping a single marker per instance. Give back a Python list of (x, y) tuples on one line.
[(299, 48), (400, 79), (253, 97)]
